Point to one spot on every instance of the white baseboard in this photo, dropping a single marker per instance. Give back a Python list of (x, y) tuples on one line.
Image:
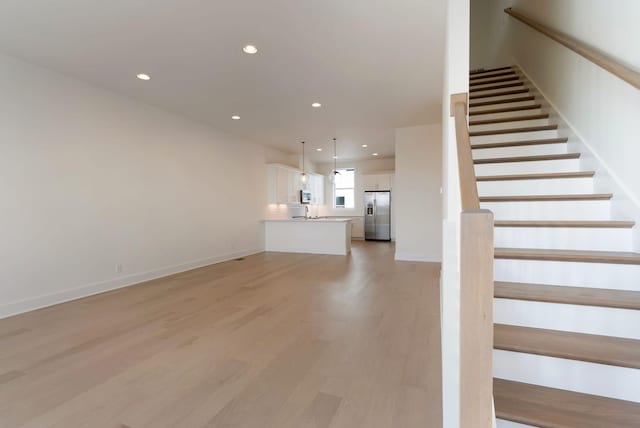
[(415, 257), (39, 302), (306, 251)]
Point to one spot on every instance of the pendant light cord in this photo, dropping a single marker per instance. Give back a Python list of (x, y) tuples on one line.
[(335, 158)]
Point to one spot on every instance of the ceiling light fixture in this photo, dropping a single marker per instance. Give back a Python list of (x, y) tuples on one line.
[(375, 154), (235, 117), (318, 150), (303, 176), (316, 105), (365, 145), (250, 49), (143, 76)]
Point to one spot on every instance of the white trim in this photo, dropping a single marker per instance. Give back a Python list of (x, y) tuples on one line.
[(306, 251), (26, 305), (415, 257)]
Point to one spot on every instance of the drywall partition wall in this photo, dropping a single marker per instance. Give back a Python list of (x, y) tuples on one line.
[(456, 80), (418, 202), (98, 191)]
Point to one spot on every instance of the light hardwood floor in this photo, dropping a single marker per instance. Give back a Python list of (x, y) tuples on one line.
[(274, 340)]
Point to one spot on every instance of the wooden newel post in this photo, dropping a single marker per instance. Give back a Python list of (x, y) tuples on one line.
[(476, 318)]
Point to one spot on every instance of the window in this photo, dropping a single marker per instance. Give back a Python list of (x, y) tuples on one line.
[(343, 188)]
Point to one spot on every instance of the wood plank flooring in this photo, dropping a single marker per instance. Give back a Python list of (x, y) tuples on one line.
[(274, 340)]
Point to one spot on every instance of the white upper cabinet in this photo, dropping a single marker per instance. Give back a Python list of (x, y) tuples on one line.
[(377, 182), (283, 184), (315, 185)]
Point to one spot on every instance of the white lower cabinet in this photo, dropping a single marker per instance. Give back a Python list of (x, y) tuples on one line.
[(357, 227)]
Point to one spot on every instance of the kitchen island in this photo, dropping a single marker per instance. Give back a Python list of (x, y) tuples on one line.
[(314, 235)]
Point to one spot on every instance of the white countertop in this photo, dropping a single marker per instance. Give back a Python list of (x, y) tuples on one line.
[(312, 220)]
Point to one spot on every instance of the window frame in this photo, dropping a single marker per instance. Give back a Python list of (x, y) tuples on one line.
[(352, 188)]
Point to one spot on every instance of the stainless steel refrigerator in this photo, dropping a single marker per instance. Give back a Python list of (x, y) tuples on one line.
[(377, 216)]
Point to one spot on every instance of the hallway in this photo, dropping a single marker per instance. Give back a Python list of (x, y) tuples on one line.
[(273, 340)]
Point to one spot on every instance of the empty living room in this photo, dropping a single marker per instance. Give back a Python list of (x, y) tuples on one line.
[(185, 237), (319, 214)]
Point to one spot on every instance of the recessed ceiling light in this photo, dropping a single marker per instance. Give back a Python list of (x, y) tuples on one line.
[(335, 157), (235, 117), (316, 105), (365, 145), (375, 154), (143, 76), (250, 49), (318, 150)]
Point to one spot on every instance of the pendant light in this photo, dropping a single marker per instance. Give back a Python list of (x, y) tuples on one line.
[(335, 172), (303, 176)]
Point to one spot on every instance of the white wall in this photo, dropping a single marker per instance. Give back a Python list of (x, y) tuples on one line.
[(418, 202), (601, 109), (456, 80), (90, 180)]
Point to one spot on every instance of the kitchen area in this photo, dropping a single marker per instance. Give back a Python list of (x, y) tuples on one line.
[(322, 211)]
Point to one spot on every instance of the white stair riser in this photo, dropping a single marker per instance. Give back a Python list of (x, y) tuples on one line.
[(510, 125), (502, 105), (501, 423), (504, 152), (506, 114), (479, 87), (579, 376), (531, 167), (602, 239), (516, 136), (597, 275), (556, 186), (556, 210), (495, 98), (574, 318)]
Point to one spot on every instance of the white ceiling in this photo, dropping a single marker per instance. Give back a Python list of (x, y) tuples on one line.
[(373, 64)]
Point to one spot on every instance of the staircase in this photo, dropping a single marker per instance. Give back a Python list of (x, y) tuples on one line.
[(567, 290)]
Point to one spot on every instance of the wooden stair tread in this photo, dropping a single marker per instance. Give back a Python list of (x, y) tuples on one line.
[(566, 223), (492, 74), (494, 86), (489, 70), (555, 408), (621, 299), (504, 101), (512, 78), (613, 351), (500, 94), (534, 158), (505, 110), (539, 176), (543, 198), (513, 130), (509, 119), (480, 146), (580, 256)]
